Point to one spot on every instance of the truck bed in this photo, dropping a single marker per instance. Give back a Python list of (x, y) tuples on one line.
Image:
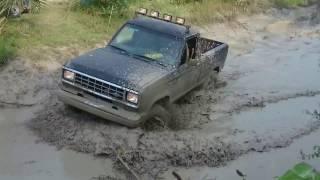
[(215, 51), (208, 44)]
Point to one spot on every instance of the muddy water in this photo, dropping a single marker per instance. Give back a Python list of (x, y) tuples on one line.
[(288, 66), (275, 119), (273, 123), (276, 125), (22, 158), (262, 166)]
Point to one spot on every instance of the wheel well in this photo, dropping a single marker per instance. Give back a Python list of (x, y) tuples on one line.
[(217, 69), (163, 101)]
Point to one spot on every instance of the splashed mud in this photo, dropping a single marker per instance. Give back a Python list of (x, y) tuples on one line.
[(258, 102)]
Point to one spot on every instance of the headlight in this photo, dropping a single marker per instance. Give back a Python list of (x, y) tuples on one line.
[(68, 75), (133, 98)]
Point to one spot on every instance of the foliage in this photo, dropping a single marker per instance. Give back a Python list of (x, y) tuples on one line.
[(301, 171), (185, 1), (101, 7), (6, 5), (2, 21), (7, 49), (56, 27), (290, 3), (88, 22)]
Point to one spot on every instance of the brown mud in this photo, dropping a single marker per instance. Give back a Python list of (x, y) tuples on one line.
[(272, 70)]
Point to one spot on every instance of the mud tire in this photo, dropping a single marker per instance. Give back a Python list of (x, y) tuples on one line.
[(210, 82), (159, 118)]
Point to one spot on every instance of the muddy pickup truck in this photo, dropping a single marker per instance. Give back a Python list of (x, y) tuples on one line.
[(150, 62)]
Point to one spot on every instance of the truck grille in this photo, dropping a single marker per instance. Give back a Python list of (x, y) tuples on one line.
[(100, 87)]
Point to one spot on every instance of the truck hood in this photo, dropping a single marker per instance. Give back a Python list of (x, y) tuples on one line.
[(113, 66)]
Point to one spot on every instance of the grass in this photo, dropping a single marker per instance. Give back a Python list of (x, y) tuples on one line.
[(59, 26), (290, 3), (56, 26), (7, 49), (202, 12)]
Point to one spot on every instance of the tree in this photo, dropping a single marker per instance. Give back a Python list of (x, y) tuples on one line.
[(15, 7)]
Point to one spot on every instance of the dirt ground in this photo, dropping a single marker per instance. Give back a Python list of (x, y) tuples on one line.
[(258, 103)]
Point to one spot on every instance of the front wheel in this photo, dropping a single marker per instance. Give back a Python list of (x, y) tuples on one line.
[(158, 119)]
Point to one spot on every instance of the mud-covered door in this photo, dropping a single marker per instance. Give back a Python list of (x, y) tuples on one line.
[(185, 77)]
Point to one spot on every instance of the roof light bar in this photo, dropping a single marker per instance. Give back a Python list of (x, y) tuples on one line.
[(142, 11), (155, 14), (167, 17), (180, 20)]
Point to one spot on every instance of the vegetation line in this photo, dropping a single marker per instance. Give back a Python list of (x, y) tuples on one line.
[(84, 23)]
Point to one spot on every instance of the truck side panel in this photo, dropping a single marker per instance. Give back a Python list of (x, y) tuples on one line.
[(213, 56), (206, 45), (217, 56)]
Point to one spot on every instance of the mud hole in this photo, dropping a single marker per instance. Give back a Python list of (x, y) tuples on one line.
[(147, 153), (272, 60)]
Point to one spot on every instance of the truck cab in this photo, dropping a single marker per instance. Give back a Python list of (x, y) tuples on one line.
[(150, 62)]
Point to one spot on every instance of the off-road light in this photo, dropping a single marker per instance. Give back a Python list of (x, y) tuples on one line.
[(180, 20), (155, 14), (132, 97), (143, 11), (68, 75), (167, 17)]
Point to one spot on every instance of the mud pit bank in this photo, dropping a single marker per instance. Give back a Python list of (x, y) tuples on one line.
[(272, 60)]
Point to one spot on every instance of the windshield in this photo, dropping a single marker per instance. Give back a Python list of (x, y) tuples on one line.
[(147, 44)]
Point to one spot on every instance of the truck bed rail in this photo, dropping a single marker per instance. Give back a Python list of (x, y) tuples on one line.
[(208, 44)]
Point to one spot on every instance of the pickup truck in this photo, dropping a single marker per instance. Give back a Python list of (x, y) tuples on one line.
[(149, 63)]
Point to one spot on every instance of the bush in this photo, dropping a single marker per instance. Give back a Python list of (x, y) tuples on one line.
[(290, 3), (185, 1), (7, 50), (102, 7)]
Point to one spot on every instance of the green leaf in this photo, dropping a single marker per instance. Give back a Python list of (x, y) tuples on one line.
[(301, 171)]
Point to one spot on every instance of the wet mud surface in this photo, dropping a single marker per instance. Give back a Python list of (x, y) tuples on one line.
[(264, 166), (257, 104)]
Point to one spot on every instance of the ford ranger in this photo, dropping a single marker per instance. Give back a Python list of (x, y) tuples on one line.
[(150, 62)]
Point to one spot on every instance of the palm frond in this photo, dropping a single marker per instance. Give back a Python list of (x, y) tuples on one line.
[(39, 3), (2, 11), (6, 5), (2, 19), (2, 22)]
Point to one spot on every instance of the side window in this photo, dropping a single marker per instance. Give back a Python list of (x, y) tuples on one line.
[(189, 51), (185, 55), (192, 45)]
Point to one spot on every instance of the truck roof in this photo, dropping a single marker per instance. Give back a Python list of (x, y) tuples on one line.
[(162, 26)]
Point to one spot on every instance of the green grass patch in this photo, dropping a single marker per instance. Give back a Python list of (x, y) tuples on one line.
[(7, 49), (65, 25), (57, 26), (290, 3), (198, 12)]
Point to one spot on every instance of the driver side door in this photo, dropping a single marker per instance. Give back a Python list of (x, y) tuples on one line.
[(185, 77)]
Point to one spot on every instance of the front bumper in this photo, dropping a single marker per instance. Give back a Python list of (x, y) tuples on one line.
[(102, 109)]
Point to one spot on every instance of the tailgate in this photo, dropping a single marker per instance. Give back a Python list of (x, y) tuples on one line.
[(214, 51)]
